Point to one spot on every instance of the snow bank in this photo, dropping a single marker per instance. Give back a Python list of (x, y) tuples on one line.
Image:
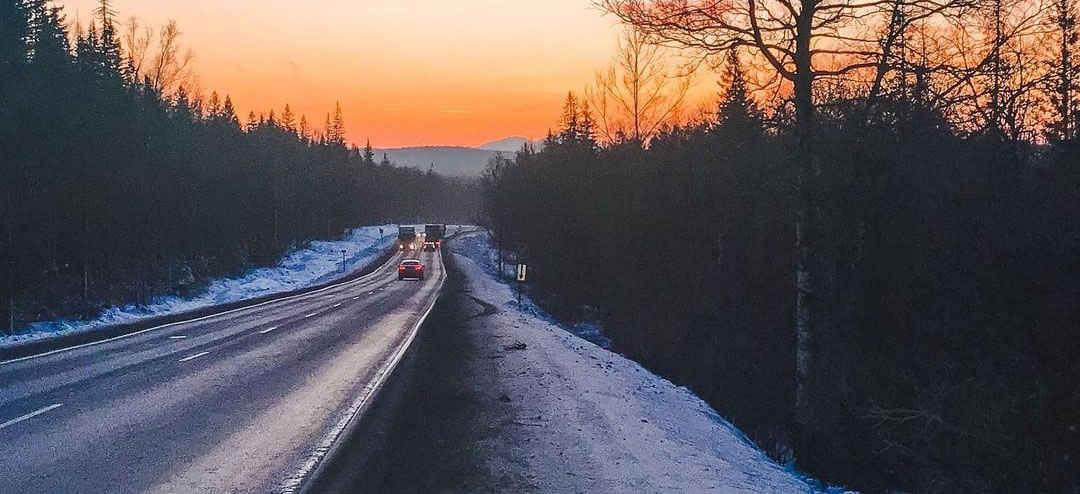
[(587, 419), (478, 249), (316, 263)]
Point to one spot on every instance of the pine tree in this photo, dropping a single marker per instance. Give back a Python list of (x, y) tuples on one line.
[(736, 111), (228, 113), (288, 120), (14, 33), (252, 123), (86, 53), (305, 129), (1064, 77), (369, 153), (587, 129), (214, 110), (182, 105), (112, 62), (51, 49), (335, 128), (569, 120)]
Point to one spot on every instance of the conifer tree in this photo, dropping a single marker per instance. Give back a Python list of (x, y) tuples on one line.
[(109, 44), (736, 110), (569, 120), (305, 129), (14, 27), (1064, 76), (369, 153), (51, 49), (288, 120), (335, 128), (228, 113), (214, 108), (587, 128)]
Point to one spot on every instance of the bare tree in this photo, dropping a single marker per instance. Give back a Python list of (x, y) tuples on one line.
[(171, 66), (137, 41), (640, 92)]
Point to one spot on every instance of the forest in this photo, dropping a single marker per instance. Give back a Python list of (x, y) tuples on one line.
[(866, 254), (120, 183)]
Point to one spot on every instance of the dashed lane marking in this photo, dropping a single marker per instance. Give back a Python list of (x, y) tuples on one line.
[(197, 355), (30, 415)]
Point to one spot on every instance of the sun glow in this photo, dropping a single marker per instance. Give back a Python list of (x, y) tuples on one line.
[(406, 73)]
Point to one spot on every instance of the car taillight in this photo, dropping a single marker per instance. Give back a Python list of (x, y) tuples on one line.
[(401, 268), (421, 268)]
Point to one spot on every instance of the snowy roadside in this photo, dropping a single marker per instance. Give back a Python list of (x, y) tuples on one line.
[(477, 247), (316, 263), (513, 402)]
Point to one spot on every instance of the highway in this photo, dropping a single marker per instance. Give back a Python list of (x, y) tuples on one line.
[(250, 400)]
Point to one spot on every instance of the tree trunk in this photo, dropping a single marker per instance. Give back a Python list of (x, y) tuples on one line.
[(805, 227)]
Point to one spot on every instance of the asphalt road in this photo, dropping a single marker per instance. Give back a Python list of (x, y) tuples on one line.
[(245, 401)]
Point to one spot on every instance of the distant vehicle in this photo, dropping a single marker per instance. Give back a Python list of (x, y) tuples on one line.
[(433, 235), (410, 268), (407, 237)]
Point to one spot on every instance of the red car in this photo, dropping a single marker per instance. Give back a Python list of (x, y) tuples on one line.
[(410, 268)]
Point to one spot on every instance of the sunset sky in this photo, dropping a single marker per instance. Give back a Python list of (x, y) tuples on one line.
[(407, 72)]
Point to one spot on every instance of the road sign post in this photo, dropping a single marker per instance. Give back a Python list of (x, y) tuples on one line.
[(522, 270), (342, 260)]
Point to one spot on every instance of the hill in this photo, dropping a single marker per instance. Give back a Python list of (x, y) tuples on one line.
[(448, 160)]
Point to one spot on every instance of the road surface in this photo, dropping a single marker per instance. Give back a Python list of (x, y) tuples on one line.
[(244, 401)]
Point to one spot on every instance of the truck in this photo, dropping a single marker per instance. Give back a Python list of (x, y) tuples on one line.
[(433, 235), (406, 237)]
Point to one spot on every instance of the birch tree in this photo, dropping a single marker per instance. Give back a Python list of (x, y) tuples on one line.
[(640, 92)]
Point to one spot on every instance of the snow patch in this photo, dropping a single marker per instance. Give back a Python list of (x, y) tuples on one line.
[(599, 421), (316, 263)]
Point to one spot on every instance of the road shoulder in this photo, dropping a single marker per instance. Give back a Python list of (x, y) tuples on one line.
[(505, 401)]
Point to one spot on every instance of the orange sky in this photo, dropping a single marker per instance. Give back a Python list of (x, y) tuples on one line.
[(407, 72)]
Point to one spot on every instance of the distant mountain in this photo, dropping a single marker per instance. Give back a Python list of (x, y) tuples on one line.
[(448, 160), (510, 144)]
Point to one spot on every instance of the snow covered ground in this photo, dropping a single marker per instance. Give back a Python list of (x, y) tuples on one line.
[(478, 249), (314, 264), (576, 417)]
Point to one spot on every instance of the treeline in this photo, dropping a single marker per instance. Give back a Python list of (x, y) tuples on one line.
[(119, 185), (951, 285)]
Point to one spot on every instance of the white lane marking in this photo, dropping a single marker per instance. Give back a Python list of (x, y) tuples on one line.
[(30, 415), (177, 337), (197, 355), (267, 330), (336, 306), (311, 315), (356, 297), (372, 292), (392, 261)]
